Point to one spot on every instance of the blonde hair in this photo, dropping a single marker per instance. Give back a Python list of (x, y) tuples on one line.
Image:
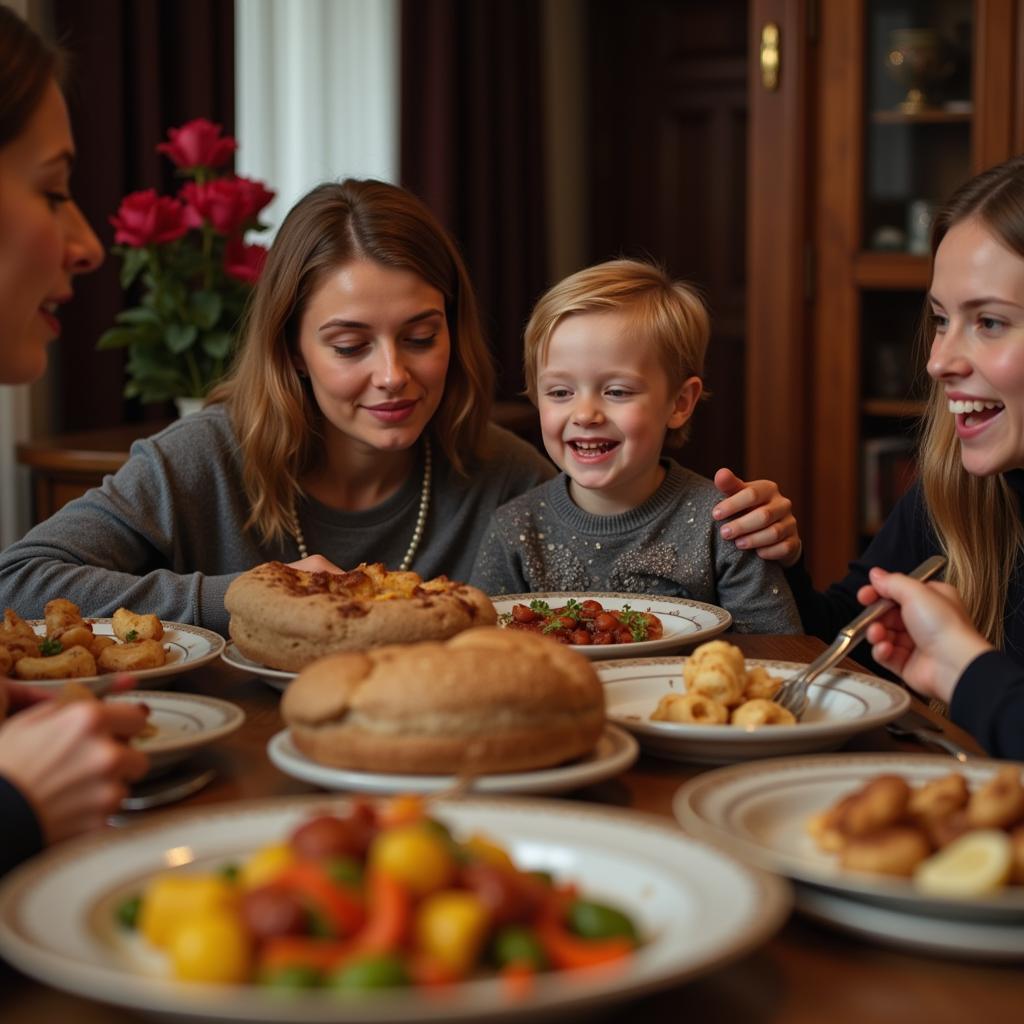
[(276, 419), (981, 561), (668, 314)]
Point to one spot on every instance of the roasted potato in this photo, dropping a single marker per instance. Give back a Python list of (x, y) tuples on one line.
[(18, 646), (16, 624), (69, 664), (133, 656), (99, 643), (77, 636), (61, 615), (128, 626), (6, 661)]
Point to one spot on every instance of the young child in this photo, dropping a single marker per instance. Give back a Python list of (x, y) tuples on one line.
[(613, 357)]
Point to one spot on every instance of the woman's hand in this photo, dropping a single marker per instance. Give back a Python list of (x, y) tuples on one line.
[(767, 526), (314, 563), (928, 639), (72, 761)]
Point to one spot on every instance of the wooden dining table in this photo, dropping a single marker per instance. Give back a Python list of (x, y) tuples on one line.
[(807, 973)]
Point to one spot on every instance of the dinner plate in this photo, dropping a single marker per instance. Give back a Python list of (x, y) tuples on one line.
[(683, 621), (615, 752), (187, 648), (275, 677), (697, 909), (759, 812), (841, 705), (964, 940), (184, 722)]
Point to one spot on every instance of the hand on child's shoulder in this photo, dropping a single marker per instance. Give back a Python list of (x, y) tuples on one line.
[(756, 516)]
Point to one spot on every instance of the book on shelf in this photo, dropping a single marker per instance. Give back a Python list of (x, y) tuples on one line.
[(889, 468)]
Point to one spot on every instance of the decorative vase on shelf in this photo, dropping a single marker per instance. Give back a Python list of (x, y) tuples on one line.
[(186, 406)]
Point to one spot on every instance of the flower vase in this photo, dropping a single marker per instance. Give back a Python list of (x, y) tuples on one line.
[(188, 405)]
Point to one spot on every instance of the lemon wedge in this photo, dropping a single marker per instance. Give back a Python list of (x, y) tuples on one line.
[(977, 863)]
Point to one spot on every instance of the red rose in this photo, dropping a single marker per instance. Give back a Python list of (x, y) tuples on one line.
[(228, 204), (144, 218), (198, 144), (244, 262)]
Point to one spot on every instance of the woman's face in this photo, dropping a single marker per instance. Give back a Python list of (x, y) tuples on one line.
[(44, 240), (977, 353), (374, 343)]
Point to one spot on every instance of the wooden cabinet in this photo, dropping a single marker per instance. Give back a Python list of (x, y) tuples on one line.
[(899, 102)]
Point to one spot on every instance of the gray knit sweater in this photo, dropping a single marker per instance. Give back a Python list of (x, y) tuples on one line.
[(164, 534), (543, 541)]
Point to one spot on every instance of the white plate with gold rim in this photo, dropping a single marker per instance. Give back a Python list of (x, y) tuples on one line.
[(695, 908), (759, 811), (683, 621), (842, 704), (187, 647), (616, 750)]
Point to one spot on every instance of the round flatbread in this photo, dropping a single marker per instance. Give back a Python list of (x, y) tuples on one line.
[(287, 618)]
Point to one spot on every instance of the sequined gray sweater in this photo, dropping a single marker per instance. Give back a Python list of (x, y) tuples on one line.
[(543, 541)]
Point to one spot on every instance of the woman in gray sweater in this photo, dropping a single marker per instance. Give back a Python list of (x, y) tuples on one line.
[(354, 426)]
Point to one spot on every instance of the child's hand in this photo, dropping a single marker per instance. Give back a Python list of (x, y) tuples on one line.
[(768, 527), (928, 639)]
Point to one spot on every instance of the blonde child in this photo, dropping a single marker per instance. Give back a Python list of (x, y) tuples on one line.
[(614, 356)]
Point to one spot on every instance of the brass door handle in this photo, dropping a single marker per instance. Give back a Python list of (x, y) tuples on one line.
[(770, 57)]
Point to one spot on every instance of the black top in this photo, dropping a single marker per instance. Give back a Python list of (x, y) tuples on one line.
[(20, 836), (989, 699)]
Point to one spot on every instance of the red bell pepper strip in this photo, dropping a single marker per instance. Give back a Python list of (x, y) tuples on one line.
[(302, 951), (390, 915), (341, 909), (566, 951)]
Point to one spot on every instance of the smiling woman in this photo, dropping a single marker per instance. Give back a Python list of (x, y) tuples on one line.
[(354, 427)]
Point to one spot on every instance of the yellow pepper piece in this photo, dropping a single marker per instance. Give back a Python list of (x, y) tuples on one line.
[(172, 897), (451, 927), (414, 855), (211, 946), (484, 849), (265, 864)]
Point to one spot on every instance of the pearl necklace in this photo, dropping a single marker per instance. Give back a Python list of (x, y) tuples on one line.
[(417, 533)]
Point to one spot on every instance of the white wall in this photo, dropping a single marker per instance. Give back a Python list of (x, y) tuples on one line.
[(316, 93)]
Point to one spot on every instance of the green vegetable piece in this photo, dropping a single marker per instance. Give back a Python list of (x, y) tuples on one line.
[(543, 876), (518, 945), (229, 871), (370, 972), (131, 636), (128, 911), (598, 921), (49, 647), (317, 925), (292, 978), (540, 607), (345, 871)]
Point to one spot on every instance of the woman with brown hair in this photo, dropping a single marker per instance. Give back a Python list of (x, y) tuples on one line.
[(63, 768), (961, 641), (354, 426)]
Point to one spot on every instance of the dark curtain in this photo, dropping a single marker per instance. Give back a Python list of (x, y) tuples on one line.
[(472, 149), (137, 68)]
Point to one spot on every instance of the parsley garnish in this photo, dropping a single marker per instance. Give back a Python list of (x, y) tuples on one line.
[(131, 636), (573, 608), (553, 626), (540, 607), (49, 647), (635, 622)]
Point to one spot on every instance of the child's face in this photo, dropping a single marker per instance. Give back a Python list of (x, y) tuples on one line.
[(605, 406)]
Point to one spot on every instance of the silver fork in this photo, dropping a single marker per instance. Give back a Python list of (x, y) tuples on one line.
[(793, 695)]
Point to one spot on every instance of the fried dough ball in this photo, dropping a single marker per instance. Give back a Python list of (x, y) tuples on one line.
[(999, 803), (99, 643), (72, 663), (690, 709), (77, 636), (938, 799), (760, 685), (718, 680), (755, 713), (60, 616), (823, 828), (1017, 841), (132, 657), (895, 850), (17, 625), (6, 661), (882, 802), (144, 627), (713, 650), (943, 831), (19, 646)]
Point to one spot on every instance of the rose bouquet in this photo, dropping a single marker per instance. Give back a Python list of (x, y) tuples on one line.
[(188, 252)]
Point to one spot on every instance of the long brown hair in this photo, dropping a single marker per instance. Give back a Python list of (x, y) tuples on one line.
[(27, 65), (278, 423), (981, 560)]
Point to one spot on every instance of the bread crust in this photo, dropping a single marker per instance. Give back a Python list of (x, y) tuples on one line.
[(287, 618), (485, 701)]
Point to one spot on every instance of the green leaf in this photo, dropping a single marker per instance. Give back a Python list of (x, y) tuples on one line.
[(138, 316), (119, 337), (204, 309), (217, 344), (180, 337), (134, 261)]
